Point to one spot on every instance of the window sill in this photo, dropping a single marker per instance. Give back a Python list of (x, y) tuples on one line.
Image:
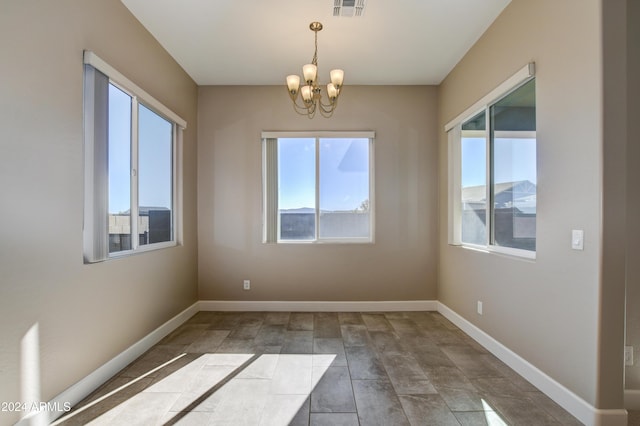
[(142, 249), (325, 242), (500, 251)]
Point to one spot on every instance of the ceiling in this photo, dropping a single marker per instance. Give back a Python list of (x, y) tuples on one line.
[(260, 42)]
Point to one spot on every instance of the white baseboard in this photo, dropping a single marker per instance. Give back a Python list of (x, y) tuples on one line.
[(568, 400), (84, 387), (632, 399), (320, 306)]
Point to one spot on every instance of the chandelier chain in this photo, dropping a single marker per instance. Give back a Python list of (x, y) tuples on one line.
[(314, 61)]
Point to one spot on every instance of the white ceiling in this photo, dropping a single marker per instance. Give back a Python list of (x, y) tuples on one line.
[(247, 42)]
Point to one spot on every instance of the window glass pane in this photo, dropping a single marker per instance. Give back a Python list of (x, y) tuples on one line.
[(296, 188), (474, 181), (155, 177), (344, 188), (513, 174), (119, 170)]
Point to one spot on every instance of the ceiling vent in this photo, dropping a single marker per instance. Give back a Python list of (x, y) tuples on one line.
[(349, 8)]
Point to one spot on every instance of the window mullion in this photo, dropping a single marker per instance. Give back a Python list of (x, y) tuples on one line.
[(455, 184), (174, 183), (489, 225), (371, 190), (135, 238), (317, 220)]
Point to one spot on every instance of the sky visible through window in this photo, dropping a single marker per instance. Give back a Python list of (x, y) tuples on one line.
[(155, 168), (343, 173), (516, 159), (155, 155)]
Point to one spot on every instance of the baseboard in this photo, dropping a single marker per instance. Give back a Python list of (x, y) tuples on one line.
[(320, 306), (568, 400), (632, 399), (84, 387)]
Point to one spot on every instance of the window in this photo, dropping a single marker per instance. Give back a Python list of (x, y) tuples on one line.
[(131, 147), (318, 187), (492, 152)]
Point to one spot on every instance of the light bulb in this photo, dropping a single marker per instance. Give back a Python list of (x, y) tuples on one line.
[(332, 92), (293, 83), (337, 77), (307, 93), (309, 72)]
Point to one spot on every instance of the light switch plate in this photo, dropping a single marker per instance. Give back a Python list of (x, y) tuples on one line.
[(628, 355), (577, 239)]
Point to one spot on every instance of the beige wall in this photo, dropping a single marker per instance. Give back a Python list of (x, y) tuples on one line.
[(401, 265), (86, 314), (632, 377), (547, 310)]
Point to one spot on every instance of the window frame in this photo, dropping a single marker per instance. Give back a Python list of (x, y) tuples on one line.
[(95, 226), (270, 169), (454, 137)]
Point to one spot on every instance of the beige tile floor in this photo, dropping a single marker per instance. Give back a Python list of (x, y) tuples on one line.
[(260, 368)]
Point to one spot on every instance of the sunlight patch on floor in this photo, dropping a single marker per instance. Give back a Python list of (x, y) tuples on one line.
[(115, 391), (224, 389), (493, 419)]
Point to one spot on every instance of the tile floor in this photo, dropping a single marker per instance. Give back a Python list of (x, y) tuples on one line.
[(281, 368)]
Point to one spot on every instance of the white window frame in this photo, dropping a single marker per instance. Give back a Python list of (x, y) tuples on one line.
[(454, 135), (95, 226), (271, 215)]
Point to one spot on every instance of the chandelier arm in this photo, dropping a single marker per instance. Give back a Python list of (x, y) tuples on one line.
[(294, 99), (296, 109), (307, 109), (331, 105), (327, 114), (300, 111), (312, 110), (329, 108)]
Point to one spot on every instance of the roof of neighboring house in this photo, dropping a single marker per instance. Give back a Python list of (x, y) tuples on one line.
[(519, 194), (142, 211)]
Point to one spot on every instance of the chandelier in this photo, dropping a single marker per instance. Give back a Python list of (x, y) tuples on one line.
[(311, 91)]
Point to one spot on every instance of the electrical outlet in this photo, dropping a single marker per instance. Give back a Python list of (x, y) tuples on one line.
[(628, 355), (246, 285), (479, 307)]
